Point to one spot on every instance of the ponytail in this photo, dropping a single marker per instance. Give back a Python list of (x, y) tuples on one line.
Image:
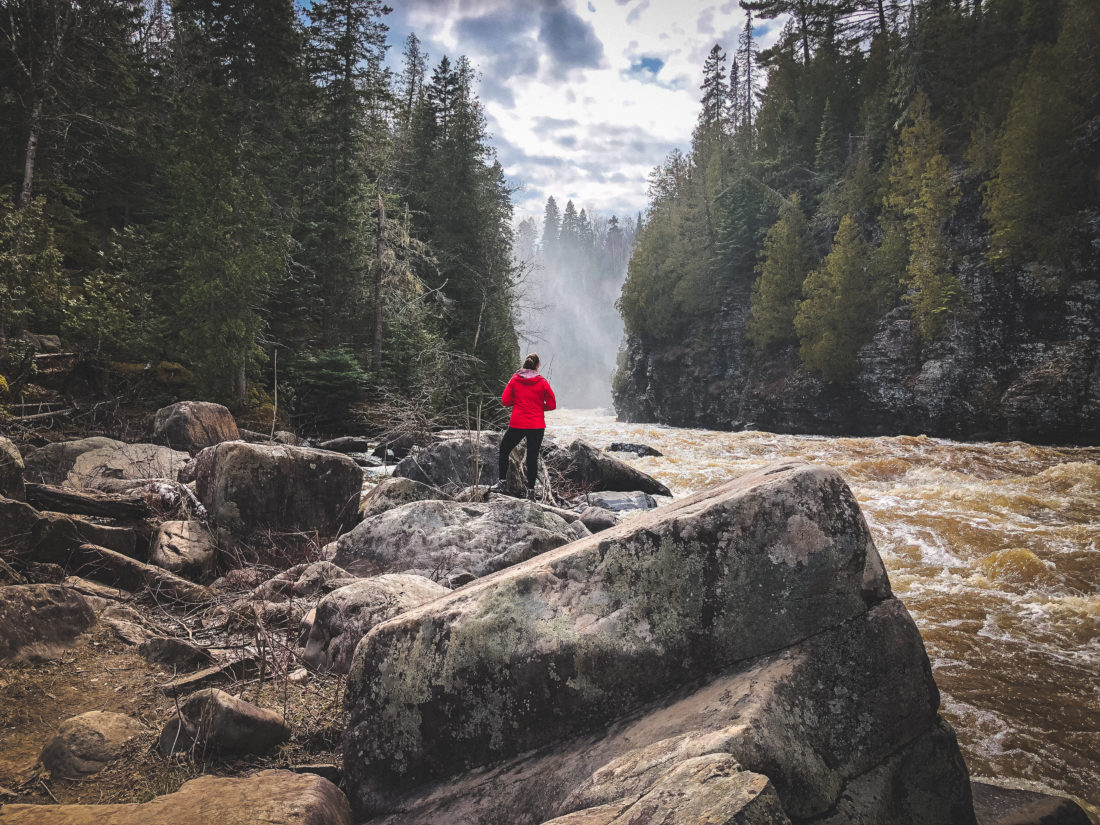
[(531, 362)]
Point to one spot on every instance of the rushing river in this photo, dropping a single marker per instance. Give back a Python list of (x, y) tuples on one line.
[(992, 547)]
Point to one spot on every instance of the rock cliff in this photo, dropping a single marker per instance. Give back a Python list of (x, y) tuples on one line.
[(1022, 362)]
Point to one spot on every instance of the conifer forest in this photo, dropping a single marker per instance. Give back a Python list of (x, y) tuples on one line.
[(250, 204)]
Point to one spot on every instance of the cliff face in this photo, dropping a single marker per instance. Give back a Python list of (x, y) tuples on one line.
[(1020, 362)]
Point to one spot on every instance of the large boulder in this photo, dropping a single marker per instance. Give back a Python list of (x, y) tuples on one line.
[(186, 548), (250, 487), (754, 619), (393, 492), (271, 797), (192, 426), (453, 464), (212, 719), (434, 538), (51, 463), (345, 616), (590, 468), (11, 471), (85, 744), (117, 468), (37, 621)]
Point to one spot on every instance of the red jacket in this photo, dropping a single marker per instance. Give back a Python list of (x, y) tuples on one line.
[(529, 395)]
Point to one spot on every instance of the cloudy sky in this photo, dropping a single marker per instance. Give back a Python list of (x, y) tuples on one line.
[(583, 97)]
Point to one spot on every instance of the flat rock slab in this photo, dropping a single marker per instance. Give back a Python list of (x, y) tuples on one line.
[(192, 426), (582, 635), (86, 744), (248, 487), (435, 538), (710, 789), (994, 805), (269, 797), (38, 621), (619, 502)]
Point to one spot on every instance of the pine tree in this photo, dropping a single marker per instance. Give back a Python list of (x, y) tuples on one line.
[(785, 261), (838, 313), (935, 292)]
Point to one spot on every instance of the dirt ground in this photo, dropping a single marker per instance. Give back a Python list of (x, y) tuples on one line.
[(101, 672)]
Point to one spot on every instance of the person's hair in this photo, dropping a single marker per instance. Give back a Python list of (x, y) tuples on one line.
[(531, 362)]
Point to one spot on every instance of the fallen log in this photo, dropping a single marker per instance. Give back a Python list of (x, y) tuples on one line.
[(60, 500), (108, 567)]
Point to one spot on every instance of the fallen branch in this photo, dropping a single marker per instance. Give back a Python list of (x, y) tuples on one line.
[(59, 500), (39, 416)]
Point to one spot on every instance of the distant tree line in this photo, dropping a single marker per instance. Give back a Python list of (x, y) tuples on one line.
[(214, 182), (828, 195)]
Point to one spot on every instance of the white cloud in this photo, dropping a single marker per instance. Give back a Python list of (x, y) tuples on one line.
[(584, 97)]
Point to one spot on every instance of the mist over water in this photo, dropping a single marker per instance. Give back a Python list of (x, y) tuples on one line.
[(575, 267)]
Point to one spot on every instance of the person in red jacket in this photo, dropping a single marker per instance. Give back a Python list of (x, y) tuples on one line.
[(529, 395)]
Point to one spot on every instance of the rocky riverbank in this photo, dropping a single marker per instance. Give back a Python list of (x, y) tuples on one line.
[(174, 619)]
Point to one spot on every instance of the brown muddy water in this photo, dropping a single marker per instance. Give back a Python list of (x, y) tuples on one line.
[(995, 550)]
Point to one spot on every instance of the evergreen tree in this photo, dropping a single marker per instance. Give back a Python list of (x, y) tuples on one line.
[(935, 292), (785, 261), (838, 313)]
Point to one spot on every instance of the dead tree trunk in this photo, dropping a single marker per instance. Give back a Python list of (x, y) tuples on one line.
[(376, 354)]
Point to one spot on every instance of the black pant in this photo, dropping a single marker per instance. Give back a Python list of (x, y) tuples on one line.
[(511, 438)]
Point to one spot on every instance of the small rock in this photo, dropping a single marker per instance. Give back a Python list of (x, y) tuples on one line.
[(11, 471), (619, 502), (304, 582), (365, 460), (298, 677), (186, 548), (213, 719), (180, 653), (597, 519), (85, 744), (347, 444), (640, 450), (235, 581)]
